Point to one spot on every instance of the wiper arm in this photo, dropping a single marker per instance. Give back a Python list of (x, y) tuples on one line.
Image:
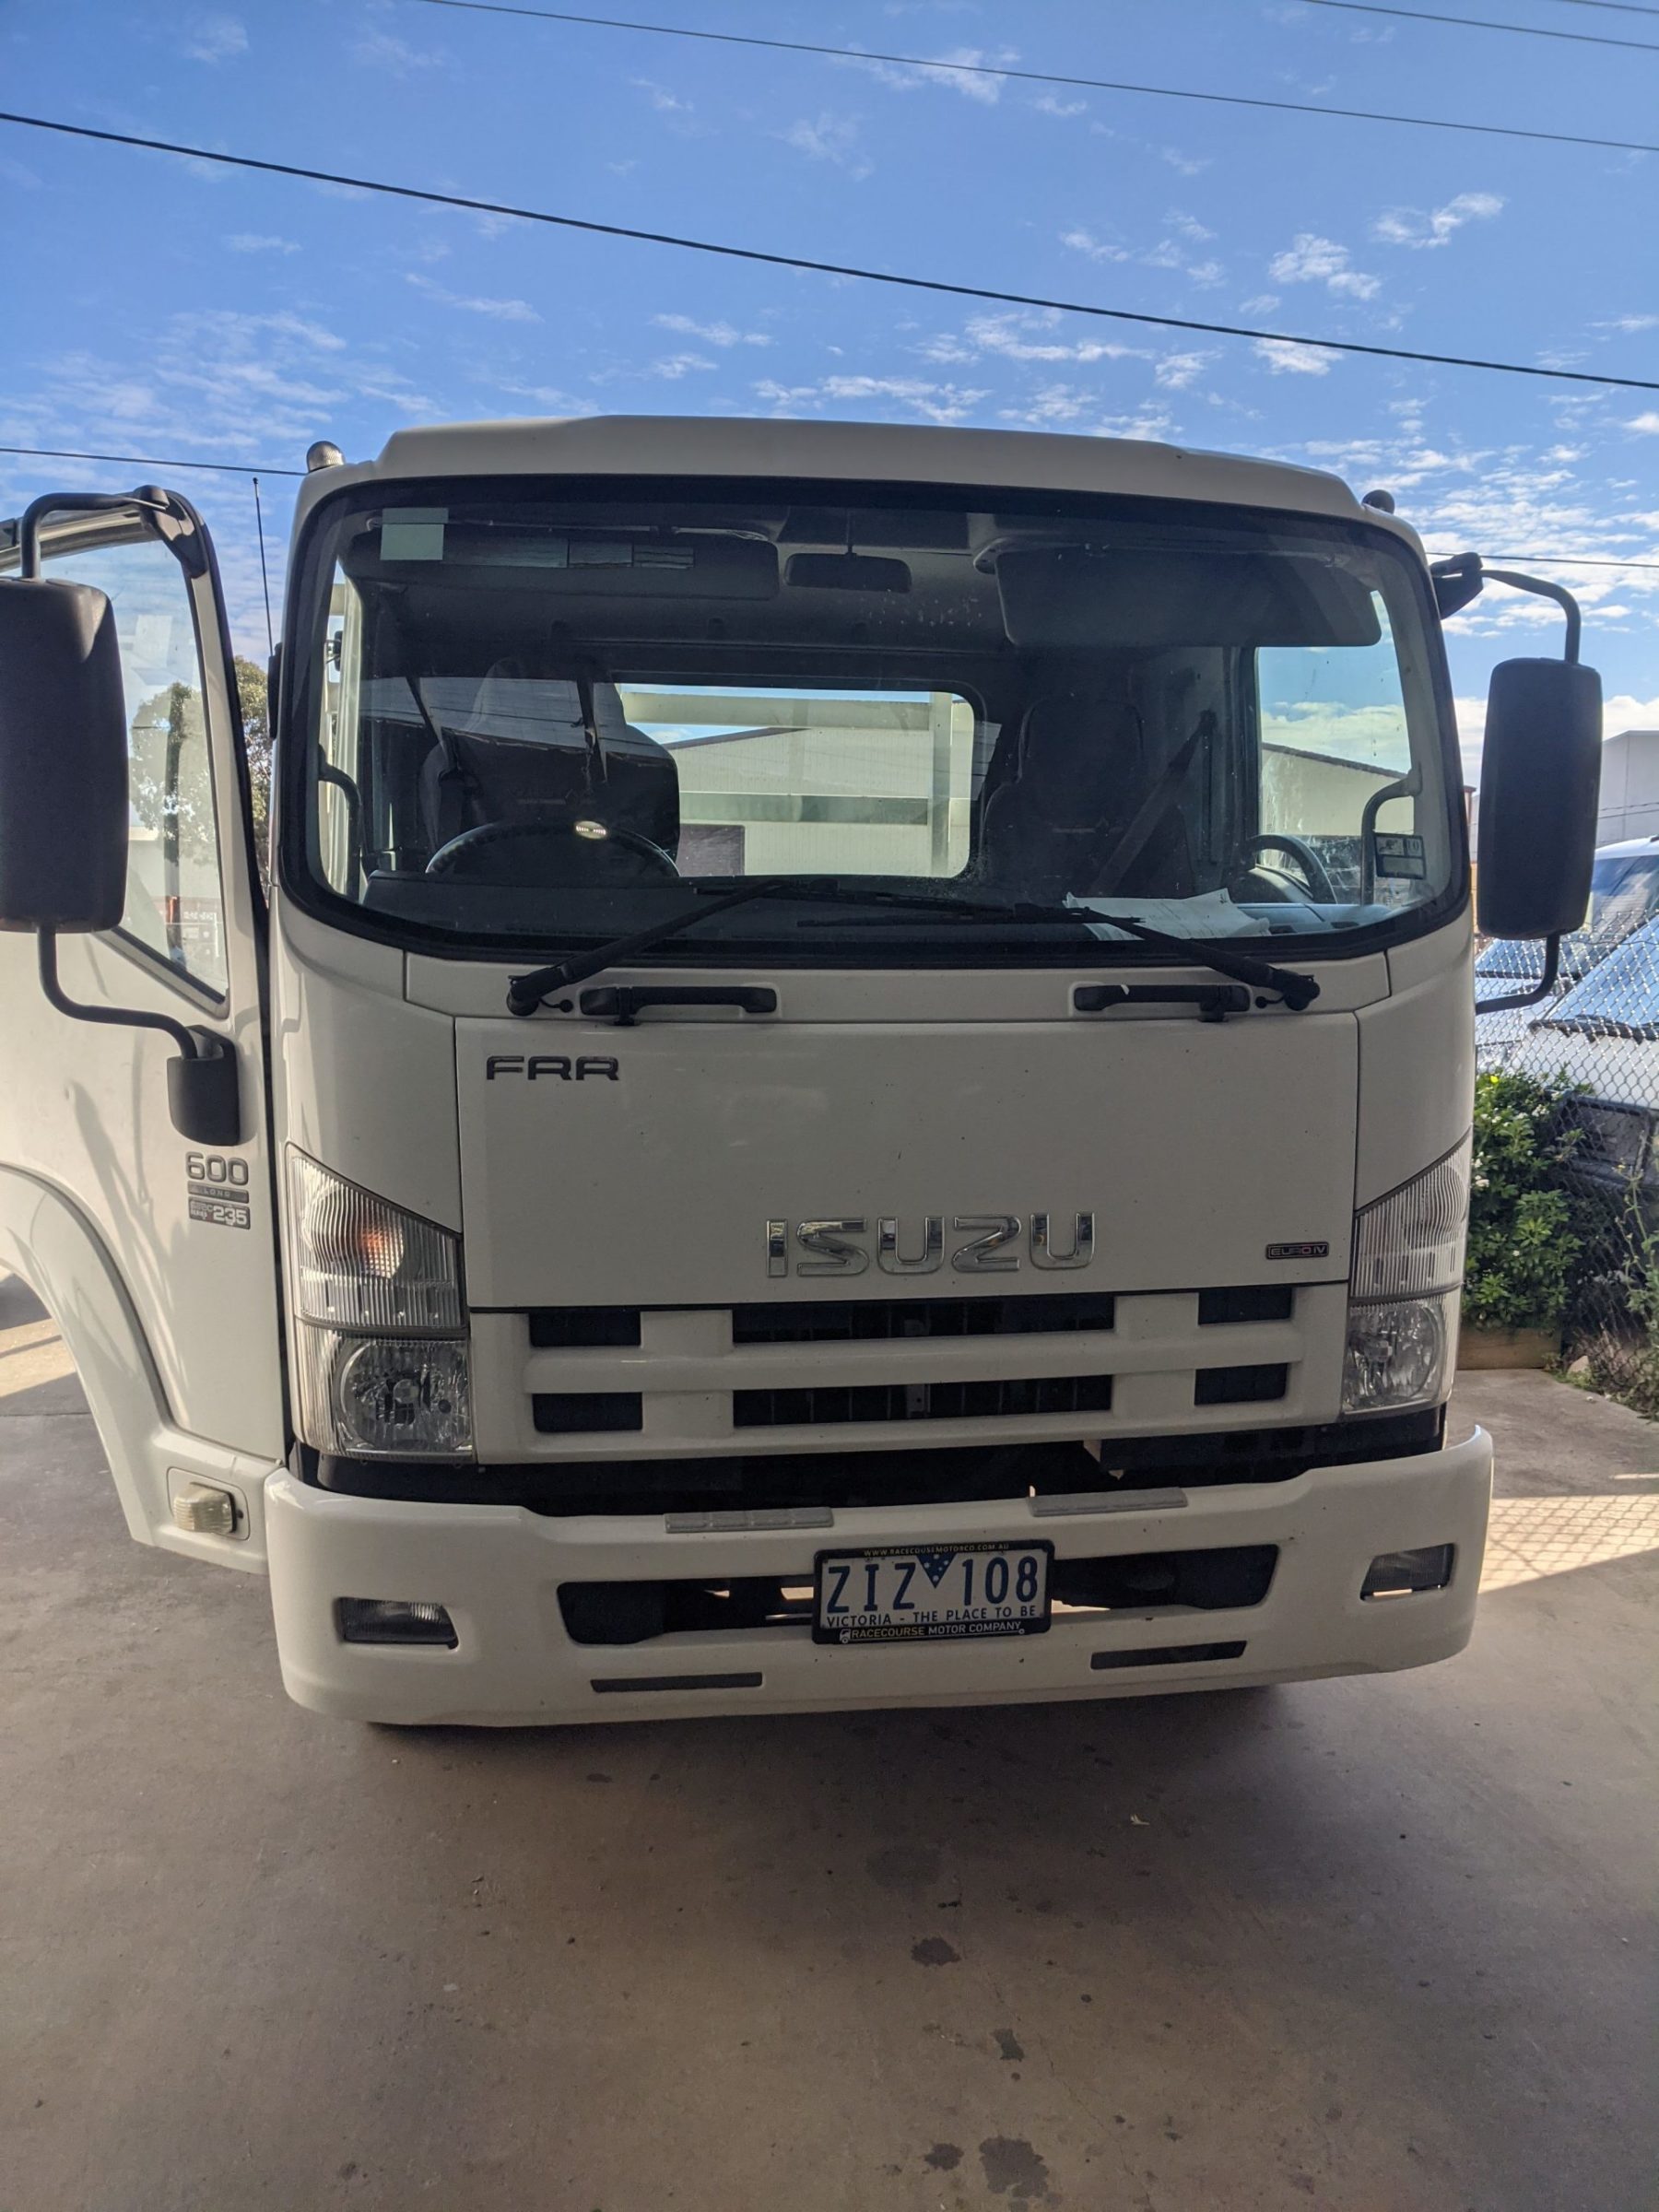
[(525, 992), (1296, 990)]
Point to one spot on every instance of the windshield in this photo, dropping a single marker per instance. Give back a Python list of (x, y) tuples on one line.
[(534, 721), (1624, 892)]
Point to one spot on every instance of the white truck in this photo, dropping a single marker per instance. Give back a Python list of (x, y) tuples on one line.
[(853, 1088)]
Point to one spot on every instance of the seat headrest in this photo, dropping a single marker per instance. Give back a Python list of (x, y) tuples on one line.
[(1080, 749), (514, 707)]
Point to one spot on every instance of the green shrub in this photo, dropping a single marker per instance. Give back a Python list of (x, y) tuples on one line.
[(1521, 1244)]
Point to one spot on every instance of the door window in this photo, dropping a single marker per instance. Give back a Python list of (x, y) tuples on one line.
[(174, 907)]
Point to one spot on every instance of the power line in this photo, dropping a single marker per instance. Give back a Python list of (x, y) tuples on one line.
[(1525, 30), (63, 452), (1575, 560), (1044, 77), (1572, 561), (825, 268)]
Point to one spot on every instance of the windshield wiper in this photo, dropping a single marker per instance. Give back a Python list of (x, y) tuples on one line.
[(1296, 990), (525, 992)]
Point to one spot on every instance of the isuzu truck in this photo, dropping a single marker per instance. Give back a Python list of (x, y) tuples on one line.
[(852, 1086)]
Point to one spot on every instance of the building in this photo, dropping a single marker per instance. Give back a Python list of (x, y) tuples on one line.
[(1630, 787)]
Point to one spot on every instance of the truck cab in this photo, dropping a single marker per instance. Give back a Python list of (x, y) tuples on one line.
[(852, 1086)]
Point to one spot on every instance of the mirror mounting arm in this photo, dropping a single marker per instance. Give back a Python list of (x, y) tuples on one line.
[(1540, 989), (1546, 590), (202, 1086), (1462, 578), (172, 521)]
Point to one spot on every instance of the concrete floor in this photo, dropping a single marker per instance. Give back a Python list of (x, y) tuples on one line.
[(1365, 1944)]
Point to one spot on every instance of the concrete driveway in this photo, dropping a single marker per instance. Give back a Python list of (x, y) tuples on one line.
[(1377, 1945)]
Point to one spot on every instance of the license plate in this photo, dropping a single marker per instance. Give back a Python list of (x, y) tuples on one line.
[(898, 1594)]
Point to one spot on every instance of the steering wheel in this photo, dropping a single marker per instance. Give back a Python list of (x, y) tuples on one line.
[(487, 836), (1316, 875)]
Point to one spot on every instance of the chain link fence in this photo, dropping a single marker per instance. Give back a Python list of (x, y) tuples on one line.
[(1596, 1038)]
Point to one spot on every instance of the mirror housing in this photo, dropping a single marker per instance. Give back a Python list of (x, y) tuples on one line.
[(1540, 787), (62, 758)]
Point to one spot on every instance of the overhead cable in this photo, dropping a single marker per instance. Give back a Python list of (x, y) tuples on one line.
[(1525, 30), (1290, 341), (869, 58), (232, 468)]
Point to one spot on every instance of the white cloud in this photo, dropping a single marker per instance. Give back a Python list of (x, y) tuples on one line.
[(550, 399), (253, 241), (660, 96), (1185, 164), (1168, 253), (711, 334), (1097, 249), (1648, 423), (674, 366), (499, 311), (1629, 325), (1075, 408), (832, 138), (379, 50), (965, 77), (215, 39), (1008, 336), (1413, 226), (936, 403), (1177, 371), (1285, 357), (1310, 259), (1046, 103)]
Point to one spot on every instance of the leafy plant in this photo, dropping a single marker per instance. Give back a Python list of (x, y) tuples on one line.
[(1522, 1242), (1625, 1361)]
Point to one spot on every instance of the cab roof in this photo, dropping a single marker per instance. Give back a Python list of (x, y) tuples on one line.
[(666, 445)]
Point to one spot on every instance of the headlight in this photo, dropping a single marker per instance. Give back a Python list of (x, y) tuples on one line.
[(1408, 1254), (382, 1362)]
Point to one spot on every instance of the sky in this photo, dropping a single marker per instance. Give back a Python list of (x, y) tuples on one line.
[(160, 307)]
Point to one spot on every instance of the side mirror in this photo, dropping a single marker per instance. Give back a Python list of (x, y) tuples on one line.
[(64, 819), (62, 758), (1540, 786)]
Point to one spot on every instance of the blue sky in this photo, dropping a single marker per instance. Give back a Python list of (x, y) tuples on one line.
[(156, 306)]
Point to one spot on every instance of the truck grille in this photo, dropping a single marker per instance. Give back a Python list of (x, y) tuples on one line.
[(921, 1402), (804, 1373), (865, 1321)]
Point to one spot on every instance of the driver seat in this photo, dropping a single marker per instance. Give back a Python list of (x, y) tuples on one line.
[(521, 756), (1050, 826)]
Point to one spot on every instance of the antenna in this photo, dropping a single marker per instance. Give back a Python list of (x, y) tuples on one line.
[(264, 573)]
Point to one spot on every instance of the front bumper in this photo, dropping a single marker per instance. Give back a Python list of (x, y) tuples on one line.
[(498, 1571)]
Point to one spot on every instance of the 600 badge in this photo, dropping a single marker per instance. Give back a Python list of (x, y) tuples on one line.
[(217, 1190)]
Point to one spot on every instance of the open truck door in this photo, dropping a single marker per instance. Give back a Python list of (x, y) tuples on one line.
[(135, 1183)]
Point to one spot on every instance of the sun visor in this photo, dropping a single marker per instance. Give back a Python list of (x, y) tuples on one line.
[(411, 543), (1100, 598)]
